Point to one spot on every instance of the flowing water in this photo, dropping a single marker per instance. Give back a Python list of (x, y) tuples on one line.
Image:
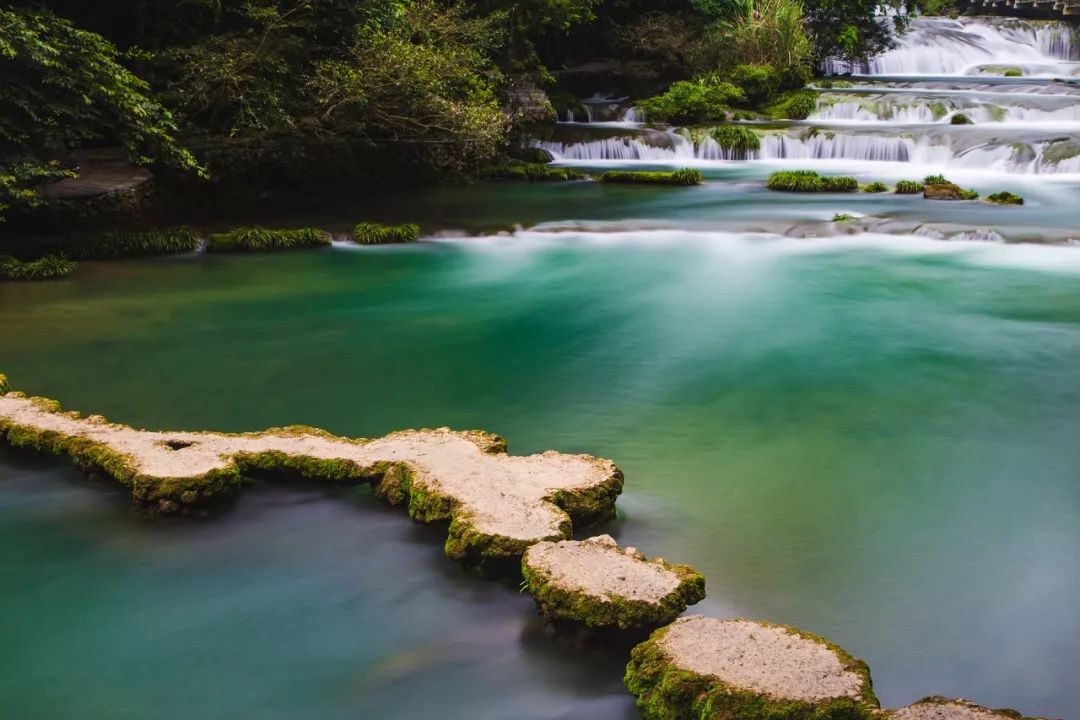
[(865, 428)]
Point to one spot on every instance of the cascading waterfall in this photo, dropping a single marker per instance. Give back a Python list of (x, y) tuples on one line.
[(940, 46), (905, 109)]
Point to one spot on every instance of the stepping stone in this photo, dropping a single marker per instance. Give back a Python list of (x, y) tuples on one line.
[(936, 707), (702, 667), (596, 583)]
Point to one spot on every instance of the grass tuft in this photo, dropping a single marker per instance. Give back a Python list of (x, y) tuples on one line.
[(375, 234), (685, 176), (256, 239)]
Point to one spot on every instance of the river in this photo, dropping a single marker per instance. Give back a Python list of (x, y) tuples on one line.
[(864, 429)]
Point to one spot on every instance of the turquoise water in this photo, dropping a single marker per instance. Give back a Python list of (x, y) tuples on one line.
[(869, 436)]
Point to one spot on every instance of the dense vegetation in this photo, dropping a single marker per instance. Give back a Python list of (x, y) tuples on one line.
[(287, 94)]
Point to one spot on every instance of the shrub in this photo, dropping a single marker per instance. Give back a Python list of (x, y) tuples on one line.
[(935, 180), (255, 239), (375, 234), (699, 100), (1005, 198), (969, 194), (875, 187), (960, 119), (908, 187), (685, 176), (50, 267), (798, 105), (758, 82), (739, 141), (795, 181), (839, 184)]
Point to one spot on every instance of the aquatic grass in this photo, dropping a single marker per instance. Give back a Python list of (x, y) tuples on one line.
[(684, 176), (909, 187), (839, 184), (875, 187), (137, 243), (842, 217), (809, 181), (375, 234), (256, 239), (935, 180), (533, 172), (50, 267)]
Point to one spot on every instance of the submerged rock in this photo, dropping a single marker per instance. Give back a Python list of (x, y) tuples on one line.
[(703, 667), (596, 583), (943, 708), (497, 504)]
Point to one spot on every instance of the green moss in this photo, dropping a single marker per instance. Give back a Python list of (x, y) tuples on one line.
[(255, 239), (591, 505), (1005, 198), (558, 605), (533, 172), (960, 119), (935, 180), (701, 100), (740, 142), (685, 176), (875, 187), (1058, 150), (939, 110), (665, 692), (3, 384), (50, 267), (797, 105), (909, 187), (375, 234), (842, 217)]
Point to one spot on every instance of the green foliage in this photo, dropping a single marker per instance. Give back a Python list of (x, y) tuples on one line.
[(375, 234), (842, 217), (808, 181), (937, 7), (137, 243), (946, 190), (1005, 198), (765, 41), (849, 29), (65, 88), (50, 267), (875, 187), (684, 176), (797, 105), (741, 142), (758, 82), (701, 100), (935, 180), (969, 194), (908, 187), (255, 239), (532, 172), (960, 119)]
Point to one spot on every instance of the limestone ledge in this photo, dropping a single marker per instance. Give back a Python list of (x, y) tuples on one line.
[(497, 504), (702, 667), (596, 583)]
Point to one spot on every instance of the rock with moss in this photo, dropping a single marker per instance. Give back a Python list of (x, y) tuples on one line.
[(909, 187), (937, 707), (376, 234), (533, 172), (1005, 198), (597, 584), (701, 667), (257, 239), (961, 119), (875, 187), (685, 176), (808, 181), (948, 191), (497, 504)]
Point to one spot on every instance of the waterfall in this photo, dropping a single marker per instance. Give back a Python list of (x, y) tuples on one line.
[(905, 109), (941, 46)]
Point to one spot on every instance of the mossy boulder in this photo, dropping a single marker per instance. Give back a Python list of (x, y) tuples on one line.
[(808, 181), (597, 584), (948, 191), (376, 234), (1005, 198), (961, 119), (937, 707), (533, 172), (701, 667), (685, 176)]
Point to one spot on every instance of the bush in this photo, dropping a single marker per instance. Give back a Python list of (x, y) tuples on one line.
[(935, 180), (738, 141), (699, 100), (808, 181), (794, 106), (256, 239), (795, 181), (375, 234), (759, 83), (685, 176), (1005, 198), (960, 119), (908, 187), (875, 187), (50, 267)]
